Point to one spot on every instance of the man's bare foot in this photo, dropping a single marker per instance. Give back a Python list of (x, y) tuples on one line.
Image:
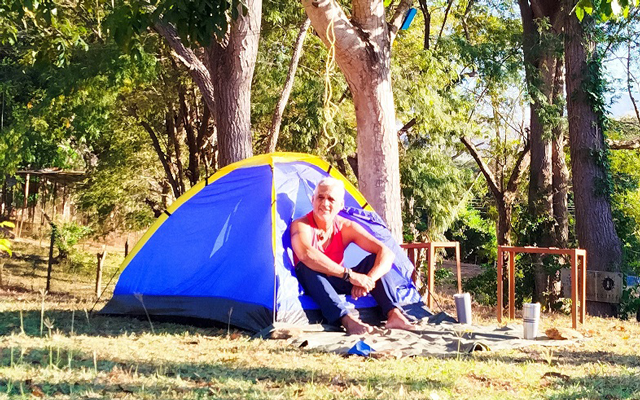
[(354, 326), (396, 320)]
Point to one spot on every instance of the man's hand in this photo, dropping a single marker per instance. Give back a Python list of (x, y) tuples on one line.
[(363, 281), (358, 291)]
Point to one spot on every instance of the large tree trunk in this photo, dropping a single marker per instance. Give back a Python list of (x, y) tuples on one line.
[(362, 51), (231, 64), (594, 223), (542, 66)]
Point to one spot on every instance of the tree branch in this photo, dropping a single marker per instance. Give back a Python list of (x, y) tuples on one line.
[(444, 21), (398, 17), (407, 126), (321, 12), (162, 156), (427, 23), (196, 68), (484, 168), (629, 79), (631, 144), (518, 169)]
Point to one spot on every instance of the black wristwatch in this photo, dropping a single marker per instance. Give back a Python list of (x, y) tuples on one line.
[(347, 275)]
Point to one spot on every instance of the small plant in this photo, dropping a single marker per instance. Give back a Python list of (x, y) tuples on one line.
[(67, 236), (443, 276), (548, 354), (630, 301)]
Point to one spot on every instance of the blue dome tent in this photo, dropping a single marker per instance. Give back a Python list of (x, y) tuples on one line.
[(222, 251)]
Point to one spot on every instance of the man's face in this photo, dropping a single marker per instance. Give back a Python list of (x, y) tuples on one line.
[(327, 202)]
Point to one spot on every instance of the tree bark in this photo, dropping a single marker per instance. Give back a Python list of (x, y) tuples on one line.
[(224, 79), (540, 68), (232, 62), (163, 158), (362, 51), (274, 132), (426, 14), (594, 223), (197, 69)]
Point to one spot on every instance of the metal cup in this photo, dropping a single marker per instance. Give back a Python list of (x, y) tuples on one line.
[(463, 307), (531, 319)]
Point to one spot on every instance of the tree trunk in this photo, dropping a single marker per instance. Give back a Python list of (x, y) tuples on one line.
[(541, 67), (504, 222), (286, 91), (594, 223), (224, 79), (362, 51), (379, 170), (231, 65)]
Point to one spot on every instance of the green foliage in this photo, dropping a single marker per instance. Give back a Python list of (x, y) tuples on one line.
[(630, 302), (477, 237), (444, 276), (197, 22), (625, 201), (5, 244), (67, 236), (483, 287), (433, 191), (604, 9)]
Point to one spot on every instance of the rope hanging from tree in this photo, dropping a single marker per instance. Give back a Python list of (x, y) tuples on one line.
[(329, 109)]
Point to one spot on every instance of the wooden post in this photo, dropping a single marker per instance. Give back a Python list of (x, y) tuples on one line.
[(574, 289), (50, 266), (500, 261), (458, 267), (101, 257), (412, 257), (431, 284), (583, 289), (24, 203), (512, 285)]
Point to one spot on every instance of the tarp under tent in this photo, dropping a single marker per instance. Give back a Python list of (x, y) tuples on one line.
[(222, 251)]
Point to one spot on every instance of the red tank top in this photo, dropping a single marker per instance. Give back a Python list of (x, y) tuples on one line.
[(335, 250)]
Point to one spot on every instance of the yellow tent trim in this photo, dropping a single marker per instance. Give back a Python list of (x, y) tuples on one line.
[(273, 233), (265, 159)]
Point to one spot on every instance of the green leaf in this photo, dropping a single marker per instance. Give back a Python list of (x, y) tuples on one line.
[(580, 13)]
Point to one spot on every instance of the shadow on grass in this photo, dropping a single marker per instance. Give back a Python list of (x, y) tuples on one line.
[(561, 357), (598, 387), (227, 379), (84, 323)]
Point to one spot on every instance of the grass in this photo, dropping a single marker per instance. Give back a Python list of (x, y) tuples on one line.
[(77, 357)]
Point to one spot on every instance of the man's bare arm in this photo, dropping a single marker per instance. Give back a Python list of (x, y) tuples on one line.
[(353, 232), (301, 242)]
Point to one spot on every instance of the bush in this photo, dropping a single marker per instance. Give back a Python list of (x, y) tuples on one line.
[(484, 286), (477, 237), (67, 236), (444, 276)]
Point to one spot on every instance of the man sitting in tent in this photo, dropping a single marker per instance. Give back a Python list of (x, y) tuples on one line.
[(319, 240)]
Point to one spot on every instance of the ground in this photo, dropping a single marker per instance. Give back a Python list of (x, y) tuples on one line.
[(52, 347)]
